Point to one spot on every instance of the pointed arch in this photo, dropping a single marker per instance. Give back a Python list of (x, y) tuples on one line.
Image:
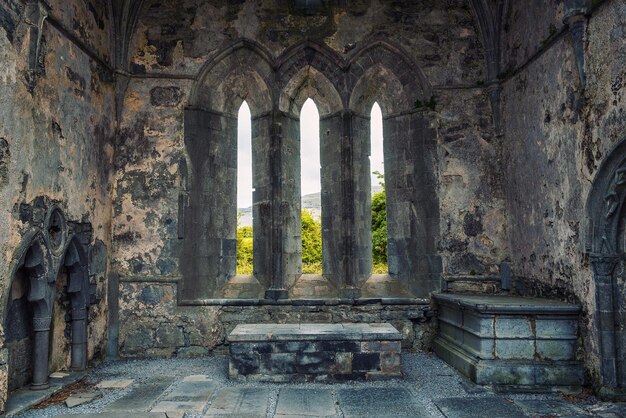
[(242, 71), (381, 71), (311, 70)]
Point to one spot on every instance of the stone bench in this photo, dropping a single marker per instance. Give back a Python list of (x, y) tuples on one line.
[(314, 352), (510, 342)]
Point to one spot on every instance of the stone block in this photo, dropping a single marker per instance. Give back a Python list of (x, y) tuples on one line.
[(390, 363), (315, 363), (343, 363), (169, 335), (340, 346), (556, 328), (296, 347), (365, 362), (482, 326), (515, 349), (244, 363), (556, 349), (508, 327), (278, 363), (245, 348)]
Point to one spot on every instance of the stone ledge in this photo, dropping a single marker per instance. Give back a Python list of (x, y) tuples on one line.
[(491, 304), (314, 332)]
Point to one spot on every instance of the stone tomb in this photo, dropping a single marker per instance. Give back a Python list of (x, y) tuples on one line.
[(510, 342), (314, 352)]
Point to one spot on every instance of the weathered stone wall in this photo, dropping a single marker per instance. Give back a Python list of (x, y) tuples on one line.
[(57, 124), (170, 47), (556, 137), (153, 325)]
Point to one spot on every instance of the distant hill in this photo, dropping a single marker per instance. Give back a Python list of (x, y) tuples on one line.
[(311, 202)]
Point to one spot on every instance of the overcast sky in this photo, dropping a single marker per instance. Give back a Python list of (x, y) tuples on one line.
[(309, 149)]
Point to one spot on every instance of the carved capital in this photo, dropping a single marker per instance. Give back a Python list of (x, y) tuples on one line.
[(42, 323), (604, 264)]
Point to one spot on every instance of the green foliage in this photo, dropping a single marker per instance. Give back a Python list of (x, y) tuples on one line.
[(379, 230), (244, 250), (311, 244)]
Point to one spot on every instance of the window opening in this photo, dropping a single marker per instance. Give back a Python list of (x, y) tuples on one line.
[(379, 198), (311, 188), (245, 260)]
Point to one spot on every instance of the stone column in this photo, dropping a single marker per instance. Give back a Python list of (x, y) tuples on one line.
[(41, 327), (277, 288), (79, 338), (603, 267)]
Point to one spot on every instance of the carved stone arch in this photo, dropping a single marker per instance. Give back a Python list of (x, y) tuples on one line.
[(378, 84), (26, 312), (606, 214), (76, 262), (242, 71), (380, 72), (314, 69), (382, 57), (308, 82)]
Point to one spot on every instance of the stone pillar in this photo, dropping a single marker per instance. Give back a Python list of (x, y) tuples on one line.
[(603, 267), (41, 327), (79, 338), (285, 205), (349, 289)]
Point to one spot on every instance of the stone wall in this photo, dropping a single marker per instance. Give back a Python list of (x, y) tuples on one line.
[(57, 124), (167, 53), (153, 325), (557, 134)]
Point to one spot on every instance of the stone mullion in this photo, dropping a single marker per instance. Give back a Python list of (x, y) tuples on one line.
[(350, 288), (277, 288)]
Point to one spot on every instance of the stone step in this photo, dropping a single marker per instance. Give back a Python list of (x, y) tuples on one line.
[(528, 343)]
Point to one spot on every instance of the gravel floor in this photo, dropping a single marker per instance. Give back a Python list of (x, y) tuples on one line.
[(426, 377)]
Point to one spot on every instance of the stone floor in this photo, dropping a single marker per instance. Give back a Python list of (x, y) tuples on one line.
[(200, 388)]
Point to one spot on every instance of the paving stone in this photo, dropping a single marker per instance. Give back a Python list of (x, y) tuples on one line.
[(192, 391), (178, 406), (82, 398), (390, 402), (489, 406), (551, 408), (142, 398), (115, 384), (305, 402), (240, 402), (116, 415), (59, 375), (197, 378)]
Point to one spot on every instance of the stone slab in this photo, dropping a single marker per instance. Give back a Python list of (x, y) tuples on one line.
[(116, 415), (58, 375), (396, 402), (313, 332), (115, 384), (82, 398), (178, 406), (488, 406), (508, 304), (141, 398), (240, 402), (192, 391), (305, 403), (551, 408)]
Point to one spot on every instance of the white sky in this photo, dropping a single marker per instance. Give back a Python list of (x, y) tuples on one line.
[(309, 150)]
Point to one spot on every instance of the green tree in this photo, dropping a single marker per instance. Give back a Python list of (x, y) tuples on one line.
[(311, 244), (244, 249), (379, 229)]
